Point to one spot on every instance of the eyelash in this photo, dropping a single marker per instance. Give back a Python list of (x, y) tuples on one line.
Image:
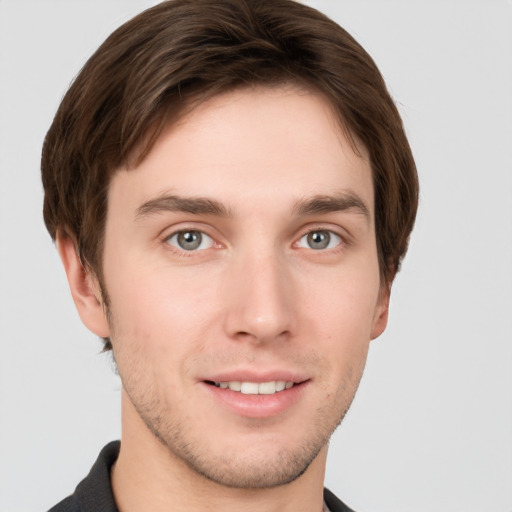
[(340, 241), (184, 232)]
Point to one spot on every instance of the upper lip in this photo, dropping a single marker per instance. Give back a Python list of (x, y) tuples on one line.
[(252, 376)]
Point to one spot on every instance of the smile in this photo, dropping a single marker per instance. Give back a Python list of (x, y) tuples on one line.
[(255, 388)]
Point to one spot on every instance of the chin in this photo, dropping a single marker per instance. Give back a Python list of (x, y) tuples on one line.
[(249, 469), (259, 461)]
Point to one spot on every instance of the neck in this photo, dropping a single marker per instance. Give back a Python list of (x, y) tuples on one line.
[(147, 476)]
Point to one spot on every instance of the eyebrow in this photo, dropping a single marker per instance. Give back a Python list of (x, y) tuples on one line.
[(174, 203), (322, 204), (318, 204)]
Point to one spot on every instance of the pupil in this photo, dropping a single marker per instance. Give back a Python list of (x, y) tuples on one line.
[(319, 239), (189, 240)]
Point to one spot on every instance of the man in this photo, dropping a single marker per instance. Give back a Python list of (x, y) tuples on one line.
[(231, 193)]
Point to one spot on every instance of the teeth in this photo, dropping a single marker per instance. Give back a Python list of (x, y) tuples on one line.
[(255, 388), (267, 388), (235, 386), (249, 388), (280, 385)]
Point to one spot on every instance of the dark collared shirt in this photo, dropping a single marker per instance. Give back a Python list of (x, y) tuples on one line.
[(94, 493)]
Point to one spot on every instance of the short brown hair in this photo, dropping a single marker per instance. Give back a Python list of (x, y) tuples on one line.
[(180, 51)]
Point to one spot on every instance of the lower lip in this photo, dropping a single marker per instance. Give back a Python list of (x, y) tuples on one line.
[(257, 406)]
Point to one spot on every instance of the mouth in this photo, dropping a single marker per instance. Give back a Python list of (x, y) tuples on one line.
[(254, 388), (257, 396)]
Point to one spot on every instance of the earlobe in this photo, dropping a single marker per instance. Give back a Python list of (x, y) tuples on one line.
[(84, 288), (380, 317)]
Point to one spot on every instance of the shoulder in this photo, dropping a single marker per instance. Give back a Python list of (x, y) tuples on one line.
[(94, 492), (334, 503), (68, 504)]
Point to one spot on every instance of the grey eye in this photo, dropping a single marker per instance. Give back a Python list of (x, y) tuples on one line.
[(190, 240), (319, 240)]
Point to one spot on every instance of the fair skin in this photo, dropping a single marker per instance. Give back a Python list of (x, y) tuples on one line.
[(242, 249)]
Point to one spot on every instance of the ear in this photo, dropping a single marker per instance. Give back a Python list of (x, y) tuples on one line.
[(380, 316), (84, 287)]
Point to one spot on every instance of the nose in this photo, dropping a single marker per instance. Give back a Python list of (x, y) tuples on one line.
[(260, 305)]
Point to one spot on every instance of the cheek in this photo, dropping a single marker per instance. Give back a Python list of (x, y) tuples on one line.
[(341, 309), (343, 305), (160, 311)]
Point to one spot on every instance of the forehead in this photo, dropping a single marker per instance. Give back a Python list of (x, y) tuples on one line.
[(269, 144)]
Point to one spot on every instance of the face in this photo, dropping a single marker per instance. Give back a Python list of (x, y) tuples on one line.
[(241, 267)]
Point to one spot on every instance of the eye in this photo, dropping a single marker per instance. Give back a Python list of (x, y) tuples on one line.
[(190, 240), (319, 240)]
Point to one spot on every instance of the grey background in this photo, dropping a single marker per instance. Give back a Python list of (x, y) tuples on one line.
[(431, 427)]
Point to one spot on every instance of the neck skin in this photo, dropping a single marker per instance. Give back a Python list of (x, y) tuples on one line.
[(147, 476)]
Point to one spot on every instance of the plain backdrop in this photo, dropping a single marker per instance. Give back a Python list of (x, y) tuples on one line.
[(431, 427)]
